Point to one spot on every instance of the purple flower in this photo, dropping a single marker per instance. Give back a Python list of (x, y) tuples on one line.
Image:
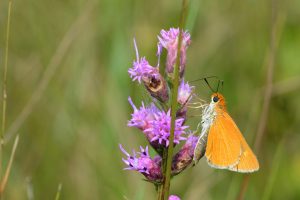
[(174, 197), (190, 144), (185, 155), (156, 124), (141, 118), (184, 92), (142, 71), (159, 130), (169, 41), (143, 163), (141, 67)]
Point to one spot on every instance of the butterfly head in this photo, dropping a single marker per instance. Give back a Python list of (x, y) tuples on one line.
[(218, 99)]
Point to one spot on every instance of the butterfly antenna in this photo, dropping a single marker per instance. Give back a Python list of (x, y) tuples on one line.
[(222, 85), (199, 79), (205, 79), (218, 86)]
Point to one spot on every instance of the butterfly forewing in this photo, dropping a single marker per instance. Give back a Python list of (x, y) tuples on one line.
[(223, 144), (226, 146)]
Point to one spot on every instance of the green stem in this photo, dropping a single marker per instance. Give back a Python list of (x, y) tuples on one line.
[(167, 175), (57, 196), (4, 93), (160, 195)]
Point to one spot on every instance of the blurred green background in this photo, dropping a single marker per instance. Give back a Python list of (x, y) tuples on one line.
[(68, 62)]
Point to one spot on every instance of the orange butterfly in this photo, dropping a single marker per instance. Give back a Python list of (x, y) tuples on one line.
[(226, 148)]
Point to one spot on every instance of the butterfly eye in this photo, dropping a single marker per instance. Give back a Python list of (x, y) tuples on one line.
[(215, 99)]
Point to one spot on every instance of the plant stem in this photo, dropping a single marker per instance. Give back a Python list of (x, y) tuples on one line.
[(4, 93), (167, 175), (160, 195), (8, 168), (58, 191)]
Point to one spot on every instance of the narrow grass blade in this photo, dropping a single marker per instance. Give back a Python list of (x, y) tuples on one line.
[(7, 172)]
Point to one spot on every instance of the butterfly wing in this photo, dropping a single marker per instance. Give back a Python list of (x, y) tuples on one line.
[(223, 144), (227, 148), (247, 161)]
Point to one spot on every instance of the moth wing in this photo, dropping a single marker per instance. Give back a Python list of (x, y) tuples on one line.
[(224, 146)]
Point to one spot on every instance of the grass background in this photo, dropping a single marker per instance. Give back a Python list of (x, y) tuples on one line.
[(73, 57)]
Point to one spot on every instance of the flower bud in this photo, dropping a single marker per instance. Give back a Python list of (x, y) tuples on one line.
[(174, 197), (200, 148), (169, 41), (184, 157), (184, 93), (156, 85)]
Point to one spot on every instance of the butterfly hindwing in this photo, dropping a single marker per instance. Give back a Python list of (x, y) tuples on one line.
[(248, 161)]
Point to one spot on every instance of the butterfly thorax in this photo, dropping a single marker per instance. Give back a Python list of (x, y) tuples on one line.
[(208, 116)]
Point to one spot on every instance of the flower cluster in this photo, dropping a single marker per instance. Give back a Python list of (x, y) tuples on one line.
[(154, 119), (156, 124), (143, 163)]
